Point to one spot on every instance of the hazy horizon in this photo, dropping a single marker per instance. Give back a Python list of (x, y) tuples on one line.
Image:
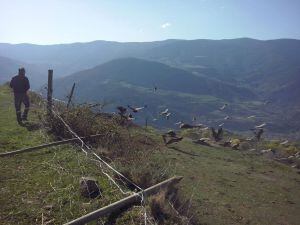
[(78, 42)]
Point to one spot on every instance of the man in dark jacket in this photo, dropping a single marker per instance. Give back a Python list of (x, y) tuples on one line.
[(20, 85)]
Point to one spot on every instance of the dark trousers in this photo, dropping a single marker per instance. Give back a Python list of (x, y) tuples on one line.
[(19, 99)]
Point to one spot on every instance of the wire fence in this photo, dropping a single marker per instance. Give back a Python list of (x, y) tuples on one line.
[(91, 155)]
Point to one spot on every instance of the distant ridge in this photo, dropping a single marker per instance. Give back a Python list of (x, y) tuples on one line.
[(235, 70)]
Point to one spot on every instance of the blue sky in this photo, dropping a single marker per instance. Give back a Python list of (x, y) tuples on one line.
[(66, 21)]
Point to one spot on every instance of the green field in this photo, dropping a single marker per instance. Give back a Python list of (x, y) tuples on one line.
[(43, 186), (224, 186)]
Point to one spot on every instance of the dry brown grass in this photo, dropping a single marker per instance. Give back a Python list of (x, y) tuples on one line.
[(168, 207)]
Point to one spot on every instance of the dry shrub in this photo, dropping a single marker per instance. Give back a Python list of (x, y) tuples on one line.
[(128, 148), (159, 209), (35, 98), (168, 207), (84, 122)]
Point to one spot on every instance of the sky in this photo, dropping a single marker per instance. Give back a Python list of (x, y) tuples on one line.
[(68, 21)]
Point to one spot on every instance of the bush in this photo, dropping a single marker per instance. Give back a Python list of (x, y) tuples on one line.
[(125, 145)]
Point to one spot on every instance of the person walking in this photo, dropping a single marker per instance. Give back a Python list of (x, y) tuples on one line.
[(20, 85)]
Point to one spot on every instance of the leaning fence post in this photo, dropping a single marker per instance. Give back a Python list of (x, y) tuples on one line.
[(71, 95), (49, 92)]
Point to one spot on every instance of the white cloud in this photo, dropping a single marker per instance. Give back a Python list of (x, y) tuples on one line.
[(165, 25)]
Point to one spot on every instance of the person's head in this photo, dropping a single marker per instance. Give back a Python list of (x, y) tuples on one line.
[(22, 71)]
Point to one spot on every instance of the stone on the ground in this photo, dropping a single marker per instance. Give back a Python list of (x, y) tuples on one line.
[(89, 187)]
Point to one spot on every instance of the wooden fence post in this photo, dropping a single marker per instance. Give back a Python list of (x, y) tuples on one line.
[(71, 95), (49, 92)]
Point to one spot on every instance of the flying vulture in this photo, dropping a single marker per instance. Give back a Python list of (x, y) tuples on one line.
[(261, 125), (136, 109), (224, 106)]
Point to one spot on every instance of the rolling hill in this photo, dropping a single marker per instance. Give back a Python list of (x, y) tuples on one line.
[(196, 76), (131, 81), (148, 74), (264, 66)]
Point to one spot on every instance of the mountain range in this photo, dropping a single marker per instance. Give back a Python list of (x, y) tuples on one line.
[(193, 77)]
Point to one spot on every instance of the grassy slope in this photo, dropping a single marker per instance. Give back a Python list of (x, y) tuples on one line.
[(43, 185), (230, 187), (227, 187)]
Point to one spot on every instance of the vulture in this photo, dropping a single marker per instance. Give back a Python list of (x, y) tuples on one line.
[(200, 125), (178, 123), (168, 115), (205, 128), (174, 140), (258, 133), (261, 125), (130, 117), (164, 112), (171, 133), (189, 126), (221, 125), (284, 142), (226, 144), (224, 106), (202, 141), (217, 135), (235, 146), (267, 150), (136, 109), (185, 126), (122, 110)]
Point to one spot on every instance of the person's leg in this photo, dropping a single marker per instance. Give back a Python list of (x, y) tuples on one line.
[(25, 101), (18, 101)]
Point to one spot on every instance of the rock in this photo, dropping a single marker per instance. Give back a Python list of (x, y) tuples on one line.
[(89, 187)]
